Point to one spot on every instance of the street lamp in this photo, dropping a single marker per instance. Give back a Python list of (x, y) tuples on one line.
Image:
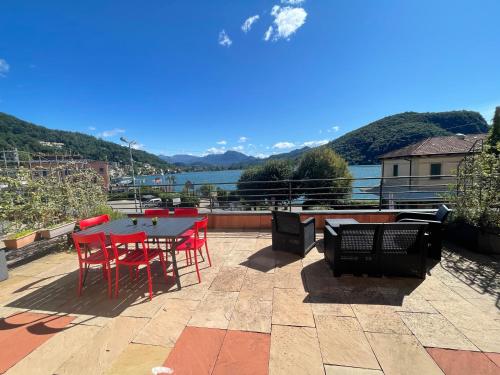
[(130, 144)]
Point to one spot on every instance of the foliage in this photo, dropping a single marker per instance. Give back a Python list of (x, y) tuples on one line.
[(16, 133), (107, 210), (28, 200), (20, 234), (333, 171), (256, 181), (205, 190), (476, 198), (494, 136)]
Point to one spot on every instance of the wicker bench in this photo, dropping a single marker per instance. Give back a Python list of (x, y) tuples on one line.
[(377, 249)]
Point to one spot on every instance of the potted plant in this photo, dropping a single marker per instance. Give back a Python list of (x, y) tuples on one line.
[(56, 230), (20, 239), (476, 218)]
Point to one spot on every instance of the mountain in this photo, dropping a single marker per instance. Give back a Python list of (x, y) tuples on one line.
[(25, 136), (364, 145), (290, 155), (228, 159)]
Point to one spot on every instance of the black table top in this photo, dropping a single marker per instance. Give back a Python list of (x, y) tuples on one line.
[(165, 228), (335, 223)]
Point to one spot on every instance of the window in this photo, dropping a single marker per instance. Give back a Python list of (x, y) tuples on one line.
[(395, 170), (435, 170)]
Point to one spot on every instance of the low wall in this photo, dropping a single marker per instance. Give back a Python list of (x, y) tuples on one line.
[(257, 220)]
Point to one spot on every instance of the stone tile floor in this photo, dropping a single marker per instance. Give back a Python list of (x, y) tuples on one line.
[(288, 314)]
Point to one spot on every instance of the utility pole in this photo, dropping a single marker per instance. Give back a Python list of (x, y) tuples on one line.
[(130, 143)]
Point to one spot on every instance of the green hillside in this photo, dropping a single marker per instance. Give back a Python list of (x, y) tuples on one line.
[(16, 133), (364, 145)]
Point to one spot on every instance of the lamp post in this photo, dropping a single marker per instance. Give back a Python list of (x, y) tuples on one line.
[(130, 144)]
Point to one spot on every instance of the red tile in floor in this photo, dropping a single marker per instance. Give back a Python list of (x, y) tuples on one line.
[(244, 353), (463, 362), (196, 351), (20, 334), (495, 357)]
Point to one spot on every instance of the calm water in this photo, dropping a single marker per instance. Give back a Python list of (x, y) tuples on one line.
[(226, 179)]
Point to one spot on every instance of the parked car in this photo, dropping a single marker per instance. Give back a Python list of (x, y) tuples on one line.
[(153, 202)]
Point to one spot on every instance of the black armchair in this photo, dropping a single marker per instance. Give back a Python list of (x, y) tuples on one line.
[(292, 235), (435, 228)]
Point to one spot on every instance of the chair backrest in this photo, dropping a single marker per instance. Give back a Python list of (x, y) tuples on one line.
[(287, 222), (358, 238), (186, 211), (201, 226), (159, 212), (86, 243), (134, 239), (442, 213), (93, 221), (402, 238)]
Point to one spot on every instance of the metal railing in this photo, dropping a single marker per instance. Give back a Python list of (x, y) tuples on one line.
[(402, 192)]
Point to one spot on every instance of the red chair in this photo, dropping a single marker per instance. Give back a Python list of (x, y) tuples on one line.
[(93, 221), (135, 256), (92, 250), (159, 212), (186, 212), (196, 243)]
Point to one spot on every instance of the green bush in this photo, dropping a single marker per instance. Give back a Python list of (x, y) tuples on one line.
[(333, 171)]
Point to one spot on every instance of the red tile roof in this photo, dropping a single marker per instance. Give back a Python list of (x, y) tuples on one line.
[(453, 144)]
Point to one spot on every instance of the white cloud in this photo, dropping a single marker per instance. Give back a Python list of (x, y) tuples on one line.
[(242, 139), (292, 2), (216, 150), (137, 146), (91, 128), (110, 133), (247, 25), (238, 148), (287, 20), (283, 145), (4, 68), (315, 143), (333, 129), (224, 39), (222, 142), (268, 33), (261, 156)]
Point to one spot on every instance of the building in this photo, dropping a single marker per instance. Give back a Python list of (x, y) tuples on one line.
[(426, 169)]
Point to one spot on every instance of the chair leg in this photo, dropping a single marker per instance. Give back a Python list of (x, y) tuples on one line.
[(117, 278), (108, 275), (150, 282), (80, 281), (208, 254), (196, 263), (104, 272)]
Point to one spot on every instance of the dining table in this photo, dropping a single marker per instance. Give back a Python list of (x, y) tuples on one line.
[(169, 229)]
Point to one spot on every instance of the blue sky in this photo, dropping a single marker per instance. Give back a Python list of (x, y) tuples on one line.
[(184, 77)]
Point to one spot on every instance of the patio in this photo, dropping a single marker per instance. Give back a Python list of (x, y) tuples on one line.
[(256, 311)]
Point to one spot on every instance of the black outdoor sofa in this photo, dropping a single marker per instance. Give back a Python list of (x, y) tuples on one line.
[(397, 249), (292, 235), (435, 229)]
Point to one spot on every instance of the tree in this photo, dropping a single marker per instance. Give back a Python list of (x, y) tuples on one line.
[(265, 182), (328, 175), (205, 190), (494, 136)]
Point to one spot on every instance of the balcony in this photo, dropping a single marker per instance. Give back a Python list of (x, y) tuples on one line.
[(256, 311)]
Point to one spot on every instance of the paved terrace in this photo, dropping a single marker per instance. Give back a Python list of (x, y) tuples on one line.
[(255, 312)]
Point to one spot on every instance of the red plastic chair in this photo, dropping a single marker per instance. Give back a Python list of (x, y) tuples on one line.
[(135, 256), (186, 212), (159, 212), (93, 221), (196, 243), (92, 250)]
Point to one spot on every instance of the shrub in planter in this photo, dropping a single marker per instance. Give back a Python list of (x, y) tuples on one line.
[(476, 199), (20, 239)]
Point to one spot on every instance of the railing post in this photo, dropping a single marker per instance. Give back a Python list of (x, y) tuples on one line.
[(140, 199), (380, 192), (290, 195)]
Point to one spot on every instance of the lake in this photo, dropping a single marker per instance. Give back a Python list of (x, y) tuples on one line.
[(226, 179)]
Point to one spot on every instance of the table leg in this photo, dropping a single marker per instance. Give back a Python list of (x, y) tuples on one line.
[(174, 265)]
